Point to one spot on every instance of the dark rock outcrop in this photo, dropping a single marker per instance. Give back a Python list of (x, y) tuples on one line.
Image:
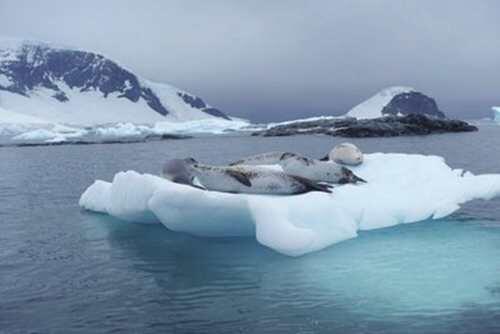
[(198, 103), (412, 103), (389, 126), (38, 65)]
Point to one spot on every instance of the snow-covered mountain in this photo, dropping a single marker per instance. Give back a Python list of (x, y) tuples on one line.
[(396, 100), (48, 83)]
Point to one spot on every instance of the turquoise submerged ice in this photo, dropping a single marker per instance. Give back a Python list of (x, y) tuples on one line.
[(401, 188)]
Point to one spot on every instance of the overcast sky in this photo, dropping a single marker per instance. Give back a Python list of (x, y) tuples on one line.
[(283, 59)]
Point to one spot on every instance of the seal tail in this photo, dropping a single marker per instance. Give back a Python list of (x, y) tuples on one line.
[(312, 185)]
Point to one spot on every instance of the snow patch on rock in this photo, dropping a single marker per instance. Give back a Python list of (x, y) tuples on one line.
[(372, 108)]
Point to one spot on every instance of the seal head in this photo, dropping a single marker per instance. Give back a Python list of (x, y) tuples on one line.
[(180, 171), (346, 154), (347, 176)]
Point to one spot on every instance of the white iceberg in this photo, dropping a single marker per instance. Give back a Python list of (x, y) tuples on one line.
[(496, 115), (401, 188), (122, 130)]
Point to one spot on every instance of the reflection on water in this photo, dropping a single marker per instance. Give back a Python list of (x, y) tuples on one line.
[(65, 270), (393, 279)]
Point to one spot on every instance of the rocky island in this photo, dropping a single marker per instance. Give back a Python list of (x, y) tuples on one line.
[(388, 126), (395, 111)]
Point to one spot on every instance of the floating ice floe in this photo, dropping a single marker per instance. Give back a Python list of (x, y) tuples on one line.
[(401, 188)]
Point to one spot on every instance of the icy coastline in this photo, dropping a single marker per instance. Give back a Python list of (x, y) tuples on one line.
[(22, 134)]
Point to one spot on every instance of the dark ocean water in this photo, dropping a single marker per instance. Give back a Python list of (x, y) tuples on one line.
[(63, 270)]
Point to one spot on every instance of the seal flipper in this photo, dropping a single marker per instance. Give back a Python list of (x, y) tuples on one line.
[(312, 185), (195, 182), (240, 177)]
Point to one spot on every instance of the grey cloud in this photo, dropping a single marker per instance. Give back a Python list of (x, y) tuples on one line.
[(282, 59)]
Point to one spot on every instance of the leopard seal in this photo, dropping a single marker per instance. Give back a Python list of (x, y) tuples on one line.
[(317, 170), (345, 154), (294, 164), (243, 179), (267, 158)]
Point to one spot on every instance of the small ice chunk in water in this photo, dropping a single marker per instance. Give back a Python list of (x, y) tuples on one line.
[(496, 114)]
